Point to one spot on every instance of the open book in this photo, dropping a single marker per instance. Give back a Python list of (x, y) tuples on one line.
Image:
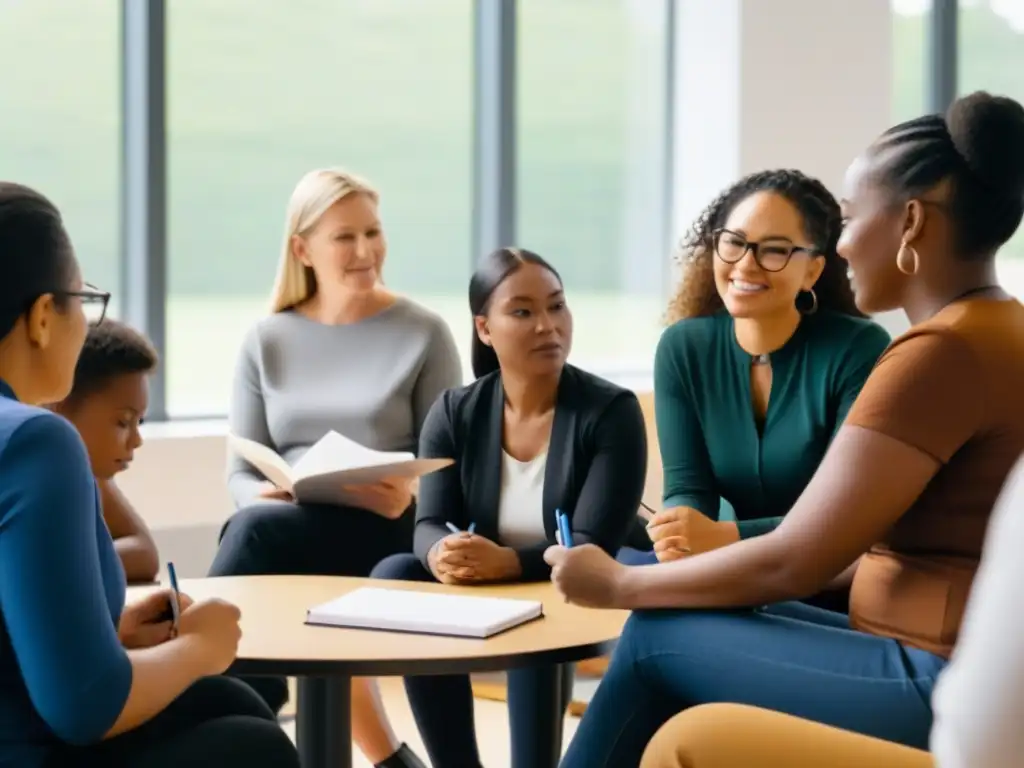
[(322, 473), (430, 613)]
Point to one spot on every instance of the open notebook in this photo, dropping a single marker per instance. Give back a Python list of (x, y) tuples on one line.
[(332, 463), (427, 613)]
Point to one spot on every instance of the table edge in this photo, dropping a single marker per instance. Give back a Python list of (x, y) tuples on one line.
[(414, 667)]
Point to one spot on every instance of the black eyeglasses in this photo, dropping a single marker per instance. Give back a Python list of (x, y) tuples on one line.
[(770, 255), (94, 302)]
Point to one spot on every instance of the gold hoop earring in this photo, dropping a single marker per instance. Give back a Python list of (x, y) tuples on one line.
[(814, 303), (907, 253)]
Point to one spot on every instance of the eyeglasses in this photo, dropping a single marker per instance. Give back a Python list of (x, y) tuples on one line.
[(771, 256), (94, 302)]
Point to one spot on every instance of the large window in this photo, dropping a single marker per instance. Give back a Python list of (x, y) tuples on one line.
[(591, 86), (258, 94), (60, 118), (992, 59), (909, 58)]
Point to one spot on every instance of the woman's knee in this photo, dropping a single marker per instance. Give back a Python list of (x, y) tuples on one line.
[(695, 738), (225, 696), (401, 567), (248, 741), (707, 736), (255, 536)]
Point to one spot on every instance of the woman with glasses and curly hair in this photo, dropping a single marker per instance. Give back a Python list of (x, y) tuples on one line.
[(764, 356)]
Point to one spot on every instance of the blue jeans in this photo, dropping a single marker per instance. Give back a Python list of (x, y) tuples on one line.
[(443, 704), (789, 657), (631, 556)]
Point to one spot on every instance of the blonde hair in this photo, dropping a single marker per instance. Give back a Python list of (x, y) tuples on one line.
[(316, 192)]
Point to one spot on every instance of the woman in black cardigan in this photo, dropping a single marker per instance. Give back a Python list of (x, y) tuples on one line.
[(530, 436)]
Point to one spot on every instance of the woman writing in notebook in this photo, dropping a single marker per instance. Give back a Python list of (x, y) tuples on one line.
[(532, 436), (86, 679), (338, 351)]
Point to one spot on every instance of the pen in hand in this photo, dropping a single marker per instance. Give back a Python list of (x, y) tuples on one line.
[(172, 577), (564, 531)]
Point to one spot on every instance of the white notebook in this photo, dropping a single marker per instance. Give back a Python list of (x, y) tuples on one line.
[(334, 462), (427, 613)]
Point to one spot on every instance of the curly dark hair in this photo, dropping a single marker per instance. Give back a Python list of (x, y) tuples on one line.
[(697, 296), (111, 349)]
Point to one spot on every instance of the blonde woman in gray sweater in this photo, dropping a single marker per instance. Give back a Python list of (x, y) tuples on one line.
[(341, 352)]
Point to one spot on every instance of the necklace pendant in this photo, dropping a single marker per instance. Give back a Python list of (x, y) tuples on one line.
[(763, 359)]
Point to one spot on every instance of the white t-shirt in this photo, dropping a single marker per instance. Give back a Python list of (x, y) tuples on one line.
[(979, 699), (521, 507)]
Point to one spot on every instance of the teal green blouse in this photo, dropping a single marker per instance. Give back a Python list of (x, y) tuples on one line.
[(711, 449)]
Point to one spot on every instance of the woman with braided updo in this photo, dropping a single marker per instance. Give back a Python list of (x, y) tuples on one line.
[(905, 490), (764, 356)]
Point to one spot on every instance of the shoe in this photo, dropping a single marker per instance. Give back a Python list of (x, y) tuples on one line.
[(403, 758)]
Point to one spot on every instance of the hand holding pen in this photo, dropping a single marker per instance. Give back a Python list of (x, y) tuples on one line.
[(584, 575)]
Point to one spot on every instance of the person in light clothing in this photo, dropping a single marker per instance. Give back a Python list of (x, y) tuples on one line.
[(338, 351)]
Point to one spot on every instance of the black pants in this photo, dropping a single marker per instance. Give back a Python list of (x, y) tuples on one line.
[(217, 723), (443, 704), (280, 538)]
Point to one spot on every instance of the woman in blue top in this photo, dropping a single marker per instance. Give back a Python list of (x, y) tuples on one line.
[(84, 679)]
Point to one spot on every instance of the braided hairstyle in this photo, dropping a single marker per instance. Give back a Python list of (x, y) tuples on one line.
[(978, 146), (697, 295)]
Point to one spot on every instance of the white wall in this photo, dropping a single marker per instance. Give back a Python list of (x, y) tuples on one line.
[(177, 484)]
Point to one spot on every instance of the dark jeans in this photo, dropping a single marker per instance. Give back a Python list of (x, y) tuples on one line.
[(280, 538), (218, 722), (788, 657), (443, 704), (837, 600), (633, 556)]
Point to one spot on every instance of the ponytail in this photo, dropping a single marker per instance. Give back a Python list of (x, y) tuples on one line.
[(483, 357)]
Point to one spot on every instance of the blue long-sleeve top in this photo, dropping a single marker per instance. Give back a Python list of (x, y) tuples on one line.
[(64, 674)]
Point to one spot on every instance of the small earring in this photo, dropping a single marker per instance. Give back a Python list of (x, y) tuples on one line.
[(907, 259), (814, 303)]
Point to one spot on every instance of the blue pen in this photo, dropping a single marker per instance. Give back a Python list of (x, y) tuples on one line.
[(564, 531), (172, 576), (454, 529)]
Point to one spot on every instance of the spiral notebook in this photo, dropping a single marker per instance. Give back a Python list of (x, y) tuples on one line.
[(427, 613)]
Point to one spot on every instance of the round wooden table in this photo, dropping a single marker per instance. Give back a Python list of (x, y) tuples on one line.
[(276, 641)]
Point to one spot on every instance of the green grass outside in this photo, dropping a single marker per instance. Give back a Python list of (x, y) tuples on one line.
[(262, 90)]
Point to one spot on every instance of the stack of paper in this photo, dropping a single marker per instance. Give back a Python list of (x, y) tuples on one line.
[(424, 612)]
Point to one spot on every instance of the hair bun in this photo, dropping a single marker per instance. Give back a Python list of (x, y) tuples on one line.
[(988, 131)]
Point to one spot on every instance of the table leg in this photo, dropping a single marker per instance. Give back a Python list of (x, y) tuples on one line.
[(323, 722)]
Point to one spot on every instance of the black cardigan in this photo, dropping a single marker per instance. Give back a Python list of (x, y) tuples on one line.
[(595, 473)]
